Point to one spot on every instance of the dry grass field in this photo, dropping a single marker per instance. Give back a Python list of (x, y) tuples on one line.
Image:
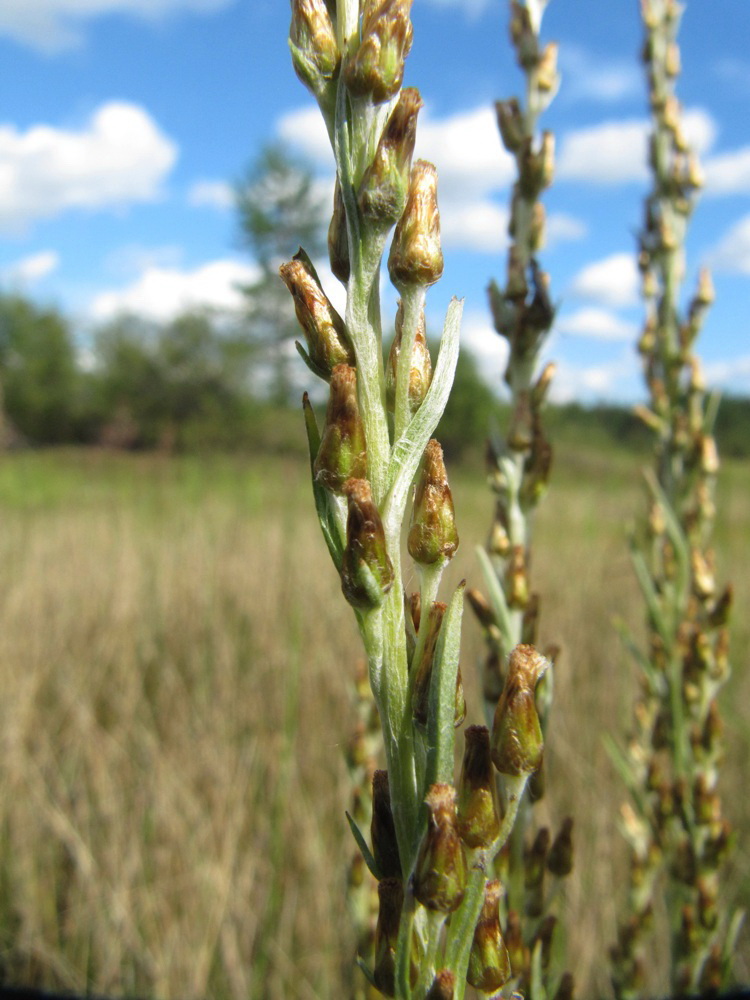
[(175, 667)]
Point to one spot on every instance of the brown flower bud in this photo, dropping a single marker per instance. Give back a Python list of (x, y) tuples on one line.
[(338, 239), (383, 829), (478, 807), (510, 123), (432, 534), (328, 342), (420, 372), (547, 76), (537, 167), (517, 742), (420, 700), (376, 69), (342, 452), (315, 52), (385, 183), (489, 963), (440, 872), (443, 986), (560, 858), (366, 570), (416, 257)]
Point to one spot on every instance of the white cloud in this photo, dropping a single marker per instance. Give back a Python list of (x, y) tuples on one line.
[(120, 156), (733, 251), (728, 173), (161, 293), (211, 194), (472, 7), (51, 25), (473, 225), (30, 269), (304, 129), (613, 281), (617, 380), (597, 323), (586, 79), (564, 228), (490, 350), (616, 152)]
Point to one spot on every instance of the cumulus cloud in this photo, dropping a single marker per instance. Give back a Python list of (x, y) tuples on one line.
[(118, 157), (490, 350), (616, 380), (613, 281), (597, 323), (728, 173), (471, 7), (211, 194), (616, 152), (733, 251), (587, 79), (52, 25), (162, 293), (31, 269)]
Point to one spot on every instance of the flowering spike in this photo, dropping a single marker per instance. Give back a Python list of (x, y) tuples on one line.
[(440, 872), (416, 257), (327, 340), (342, 449), (432, 535), (366, 570), (517, 742)]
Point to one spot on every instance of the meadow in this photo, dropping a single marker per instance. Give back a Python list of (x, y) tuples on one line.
[(176, 668)]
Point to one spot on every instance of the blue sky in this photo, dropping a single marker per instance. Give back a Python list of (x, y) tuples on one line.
[(123, 124)]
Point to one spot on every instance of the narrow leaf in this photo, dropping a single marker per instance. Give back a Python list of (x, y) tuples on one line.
[(441, 715), (496, 598), (323, 506), (366, 852)]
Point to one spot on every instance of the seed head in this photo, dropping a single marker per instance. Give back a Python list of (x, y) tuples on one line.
[(420, 372), (489, 963), (376, 69), (342, 453), (478, 808), (517, 742), (366, 570), (328, 342), (440, 872), (385, 183), (416, 257), (432, 534)]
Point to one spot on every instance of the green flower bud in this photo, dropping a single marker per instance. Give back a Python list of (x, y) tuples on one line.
[(385, 183), (440, 872), (517, 742), (478, 807), (315, 52), (338, 239), (420, 701), (342, 452), (420, 373), (366, 570), (443, 986), (432, 534), (328, 342), (489, 963), (376, 70), (391, 900), (416, 257), (382, 828)]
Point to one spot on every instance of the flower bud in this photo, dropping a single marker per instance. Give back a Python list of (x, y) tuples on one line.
[(385, 183), (517, 742), (342, 452), (440, 872), (478, 808), (560, 858), (391, 900), (416, 257), (510, 123), (548, 78), (420, 372), (366, 569), (328, 342), (383, 829), (315, 52), (432, 534), (420, 700), (376, 69), (338, 239), (537, 168), (534, 860), (443, 986), (489, 963)]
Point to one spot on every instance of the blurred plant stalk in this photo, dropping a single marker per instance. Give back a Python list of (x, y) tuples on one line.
[(519, 461), (435, 929), (673, 822)]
